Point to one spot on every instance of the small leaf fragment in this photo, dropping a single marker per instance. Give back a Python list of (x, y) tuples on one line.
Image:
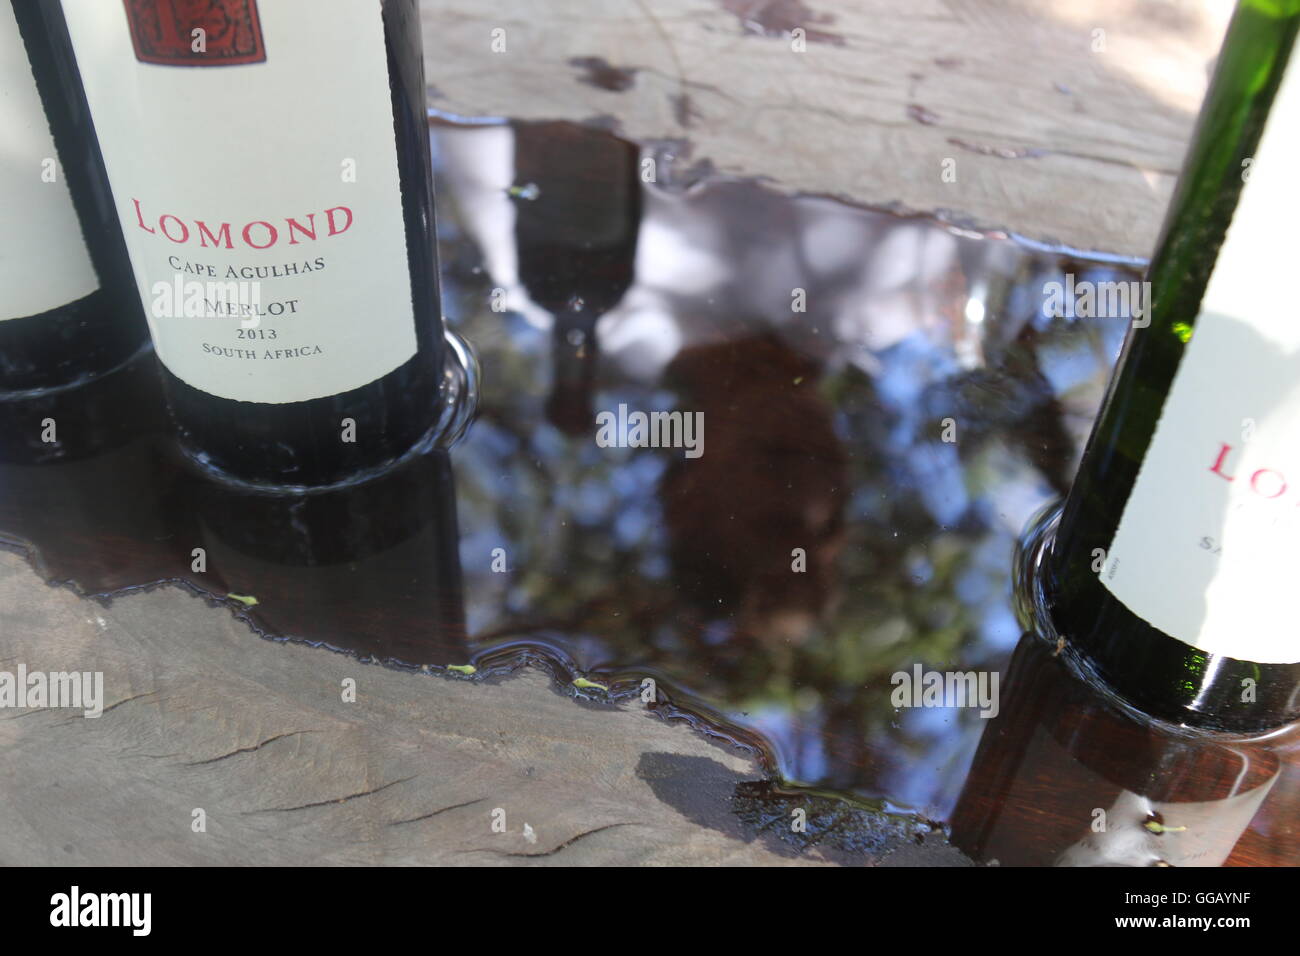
[(1155, 827)]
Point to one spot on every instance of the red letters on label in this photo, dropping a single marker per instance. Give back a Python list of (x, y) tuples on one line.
[(258, 234), (1264, 482)]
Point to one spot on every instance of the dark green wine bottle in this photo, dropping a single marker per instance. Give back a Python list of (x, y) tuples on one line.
[(1173, 569)]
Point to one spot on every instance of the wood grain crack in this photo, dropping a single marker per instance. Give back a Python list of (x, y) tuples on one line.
[(565, 845), (336, 800), (434, 813), (247, 750)]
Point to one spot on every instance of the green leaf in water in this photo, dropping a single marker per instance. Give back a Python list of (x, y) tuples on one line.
[(1155, 827)]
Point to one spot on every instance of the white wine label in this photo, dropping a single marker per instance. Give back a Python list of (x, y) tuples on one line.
[(1208, 547), (253, 161), (43, 258)]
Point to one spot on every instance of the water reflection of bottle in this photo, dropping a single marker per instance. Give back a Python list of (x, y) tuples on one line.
[(372, 567), (578, 215), (81, 480), (1064, 777)]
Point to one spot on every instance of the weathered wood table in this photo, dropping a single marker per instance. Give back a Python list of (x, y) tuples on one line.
[(988, 118)]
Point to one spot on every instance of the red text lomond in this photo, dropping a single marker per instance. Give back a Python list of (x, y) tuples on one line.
[(1265, 482), (257, 234)]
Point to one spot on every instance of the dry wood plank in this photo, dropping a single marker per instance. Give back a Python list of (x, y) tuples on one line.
[(1066, 122)]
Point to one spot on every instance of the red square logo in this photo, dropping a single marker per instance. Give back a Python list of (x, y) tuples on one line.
[(195, 32)]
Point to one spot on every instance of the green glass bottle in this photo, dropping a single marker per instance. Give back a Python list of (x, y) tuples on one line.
[(1171, 570)]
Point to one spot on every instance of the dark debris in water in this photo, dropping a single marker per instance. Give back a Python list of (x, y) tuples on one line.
[(791, 822), (841, 830)]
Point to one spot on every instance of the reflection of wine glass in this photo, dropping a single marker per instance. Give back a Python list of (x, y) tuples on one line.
[(578, 211)]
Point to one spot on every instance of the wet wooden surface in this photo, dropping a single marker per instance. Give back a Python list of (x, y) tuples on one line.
[(207, 715), (1060, 121), (201, 714)]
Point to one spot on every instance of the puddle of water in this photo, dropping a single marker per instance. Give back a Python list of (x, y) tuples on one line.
[(882, 404)]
